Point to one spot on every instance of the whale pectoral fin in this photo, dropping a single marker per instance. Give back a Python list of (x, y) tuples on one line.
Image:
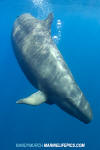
[(48, 21), (34, 99)]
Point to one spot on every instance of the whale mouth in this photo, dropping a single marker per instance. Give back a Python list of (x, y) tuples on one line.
[(82, 112)]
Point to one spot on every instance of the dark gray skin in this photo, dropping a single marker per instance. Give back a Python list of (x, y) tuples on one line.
[(45, 67)]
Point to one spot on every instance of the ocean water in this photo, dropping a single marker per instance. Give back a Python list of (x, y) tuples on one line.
[(76, 31)]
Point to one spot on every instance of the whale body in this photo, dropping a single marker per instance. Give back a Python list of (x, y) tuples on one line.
[(45, 68)]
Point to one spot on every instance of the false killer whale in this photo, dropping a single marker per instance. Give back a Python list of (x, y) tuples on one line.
[(45, 68)]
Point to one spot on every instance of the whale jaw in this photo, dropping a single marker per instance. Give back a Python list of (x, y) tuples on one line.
[(82, 112)]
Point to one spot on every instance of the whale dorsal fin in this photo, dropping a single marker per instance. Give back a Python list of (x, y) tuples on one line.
[(48, 21), (34, 99)]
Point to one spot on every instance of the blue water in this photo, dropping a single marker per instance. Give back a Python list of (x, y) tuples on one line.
[(78, 38)]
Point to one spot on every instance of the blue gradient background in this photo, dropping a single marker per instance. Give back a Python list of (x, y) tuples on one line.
[(80, 46)]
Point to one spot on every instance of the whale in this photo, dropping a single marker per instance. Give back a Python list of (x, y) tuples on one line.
[(46, 69)]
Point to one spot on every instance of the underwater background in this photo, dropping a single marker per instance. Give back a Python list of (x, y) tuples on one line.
[(76, 31)]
